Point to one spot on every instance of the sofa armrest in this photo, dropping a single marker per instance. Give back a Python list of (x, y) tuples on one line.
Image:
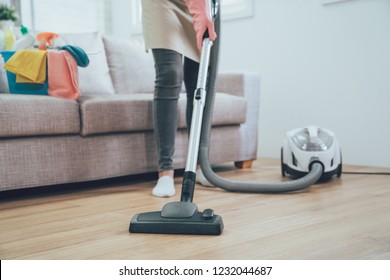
[(239, 83), (247, 85)]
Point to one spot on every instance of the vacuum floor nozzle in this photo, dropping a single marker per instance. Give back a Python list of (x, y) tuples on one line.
[(200, 223)]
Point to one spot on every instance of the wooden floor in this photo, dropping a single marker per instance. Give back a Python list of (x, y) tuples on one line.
[(346, 218)]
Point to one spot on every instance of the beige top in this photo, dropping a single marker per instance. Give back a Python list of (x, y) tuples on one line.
[(167, 24)]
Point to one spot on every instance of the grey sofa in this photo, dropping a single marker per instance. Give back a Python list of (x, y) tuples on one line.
[(108, 132)]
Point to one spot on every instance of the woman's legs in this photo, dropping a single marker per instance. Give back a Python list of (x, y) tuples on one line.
[(169, 78), (170, 73)]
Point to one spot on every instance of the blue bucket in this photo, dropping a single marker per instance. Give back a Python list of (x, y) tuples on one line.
[(23, 88)]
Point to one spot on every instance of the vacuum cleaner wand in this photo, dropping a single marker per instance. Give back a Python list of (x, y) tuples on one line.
[(183, 217), (196, 123)]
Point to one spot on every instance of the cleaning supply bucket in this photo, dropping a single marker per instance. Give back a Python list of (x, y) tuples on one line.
[(23, 88)]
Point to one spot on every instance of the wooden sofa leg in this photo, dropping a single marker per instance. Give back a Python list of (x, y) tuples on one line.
[(245, 164)]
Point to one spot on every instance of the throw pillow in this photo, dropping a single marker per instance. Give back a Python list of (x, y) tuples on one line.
[(94, 79), (131, 67)]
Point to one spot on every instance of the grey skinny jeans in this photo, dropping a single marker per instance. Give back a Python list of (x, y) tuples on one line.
[(171, 70)]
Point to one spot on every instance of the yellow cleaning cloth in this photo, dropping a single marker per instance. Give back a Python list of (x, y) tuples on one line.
[(29, 66)]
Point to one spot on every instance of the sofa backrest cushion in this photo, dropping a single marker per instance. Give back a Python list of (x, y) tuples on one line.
[(131, 67), (94, 79)]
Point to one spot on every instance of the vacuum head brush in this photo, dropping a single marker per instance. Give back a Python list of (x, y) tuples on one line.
[(178, 218)]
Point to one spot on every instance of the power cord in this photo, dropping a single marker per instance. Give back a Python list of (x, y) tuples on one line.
[(365, 173)]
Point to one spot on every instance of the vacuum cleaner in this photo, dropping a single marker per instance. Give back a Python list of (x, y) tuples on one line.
[(183, 217), (307, 153), (304, 146)]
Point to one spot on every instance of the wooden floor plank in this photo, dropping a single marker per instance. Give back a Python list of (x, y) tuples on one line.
[(346, 218)]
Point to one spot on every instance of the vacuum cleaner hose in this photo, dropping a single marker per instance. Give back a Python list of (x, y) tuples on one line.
[(253, 187)]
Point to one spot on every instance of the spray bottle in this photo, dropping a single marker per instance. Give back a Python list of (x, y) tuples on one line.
[(9, 37), (2, 42), (26, 41), (46, 39)]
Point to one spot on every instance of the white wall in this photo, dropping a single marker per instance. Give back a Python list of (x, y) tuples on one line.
[(323, 65)]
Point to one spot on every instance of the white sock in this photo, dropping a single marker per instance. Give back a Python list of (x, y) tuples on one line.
[(165, 187), (201, 179)]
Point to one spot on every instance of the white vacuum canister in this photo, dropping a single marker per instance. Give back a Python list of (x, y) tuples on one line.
[(304, 146)]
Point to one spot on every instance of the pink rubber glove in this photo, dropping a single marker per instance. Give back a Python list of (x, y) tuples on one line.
[(201, 20)]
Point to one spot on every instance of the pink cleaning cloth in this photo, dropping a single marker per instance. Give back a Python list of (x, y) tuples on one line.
[(63, 75)]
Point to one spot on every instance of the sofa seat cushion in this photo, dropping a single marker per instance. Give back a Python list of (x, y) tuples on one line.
[(115, 113), (133, 112), (32, 115), (228, 110)]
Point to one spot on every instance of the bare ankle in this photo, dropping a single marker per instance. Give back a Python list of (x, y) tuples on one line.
[(169, 173)]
